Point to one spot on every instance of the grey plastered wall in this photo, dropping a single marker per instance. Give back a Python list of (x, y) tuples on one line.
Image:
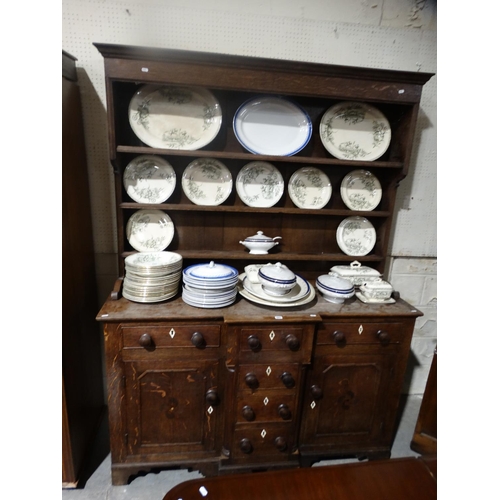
[(392, 34)]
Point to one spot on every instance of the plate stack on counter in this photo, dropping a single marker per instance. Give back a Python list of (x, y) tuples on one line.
[(209, 285), (152, 276)]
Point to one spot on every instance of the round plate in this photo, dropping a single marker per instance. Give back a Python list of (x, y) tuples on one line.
[(207, 181), (253, 298), (272, 126), (186, 118), (260, 184), (149, 179), (309, 187), (356, 236), (355, 131), (150, 230), (154, 260), (361, 190)]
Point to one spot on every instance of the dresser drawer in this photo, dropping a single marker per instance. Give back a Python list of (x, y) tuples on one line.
[(270, 405), (342, 334), (268, 376), (161, 336), (271, 339), (262, 440)]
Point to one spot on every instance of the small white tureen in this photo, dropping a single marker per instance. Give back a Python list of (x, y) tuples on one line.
[(356, 273), (276, 279), (334, 288), (376, 290), (260, 243)]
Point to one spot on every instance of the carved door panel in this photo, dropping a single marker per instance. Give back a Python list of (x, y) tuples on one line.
[(348, 398), (172, 407)]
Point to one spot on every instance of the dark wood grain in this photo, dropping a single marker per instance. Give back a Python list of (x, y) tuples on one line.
[(83, 395), (404, 478)]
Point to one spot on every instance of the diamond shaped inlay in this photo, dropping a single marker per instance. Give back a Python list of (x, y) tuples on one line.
[(266, 401), (313, 404), (263, 433), (272, 335), (172, 333), (360, 329), (210, 410), (268, 371)]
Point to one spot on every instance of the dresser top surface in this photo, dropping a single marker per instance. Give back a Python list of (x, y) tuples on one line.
[(244, 311)]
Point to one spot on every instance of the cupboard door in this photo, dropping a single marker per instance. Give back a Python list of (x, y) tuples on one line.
[(350, 398), (172, 407)]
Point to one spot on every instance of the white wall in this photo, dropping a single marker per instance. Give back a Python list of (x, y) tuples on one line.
[(391, 34)]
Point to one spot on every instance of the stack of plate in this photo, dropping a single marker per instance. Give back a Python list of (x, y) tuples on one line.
[(251, 288), (152, 276), (209, 285)]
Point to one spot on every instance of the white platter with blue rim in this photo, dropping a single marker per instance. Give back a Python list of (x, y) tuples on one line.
[(272, 125)]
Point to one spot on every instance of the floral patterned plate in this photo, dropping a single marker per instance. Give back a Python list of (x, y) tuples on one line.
[(355, 131), (310, 187), (149, 179), (272, 125), (356, 236), (207, 181), (150, 230), (361, 190), (260, 184), (186, 118)]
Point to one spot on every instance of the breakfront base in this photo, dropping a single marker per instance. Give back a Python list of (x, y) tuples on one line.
[(307, 460), (122, 474)]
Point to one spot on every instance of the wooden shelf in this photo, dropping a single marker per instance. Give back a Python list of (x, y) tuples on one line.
[(249, 210), (145, 150)]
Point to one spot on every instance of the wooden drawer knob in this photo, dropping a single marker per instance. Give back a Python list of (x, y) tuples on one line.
[(198, 341), (246, 446), (339, 338), (288, 380), (248, 413), (284, 412), (317, 392), (292, 342), (280, 443), (383, 337), (251, 380), (145, 340), (254, 343), (212, 398)]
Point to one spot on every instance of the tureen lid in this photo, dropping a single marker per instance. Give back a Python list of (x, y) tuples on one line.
[(354, 269), (260, 237), (277, 272), (334, 283), (377, 284), (210, 271)]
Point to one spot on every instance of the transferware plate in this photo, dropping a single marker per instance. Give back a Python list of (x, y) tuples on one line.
[(185, 118)]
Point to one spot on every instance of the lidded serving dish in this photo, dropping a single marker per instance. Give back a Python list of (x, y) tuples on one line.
[(276, 279), (334, 288), (356, 273), (377, 289), (260, 244)]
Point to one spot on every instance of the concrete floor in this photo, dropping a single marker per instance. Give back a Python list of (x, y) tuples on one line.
[(96, 484)]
